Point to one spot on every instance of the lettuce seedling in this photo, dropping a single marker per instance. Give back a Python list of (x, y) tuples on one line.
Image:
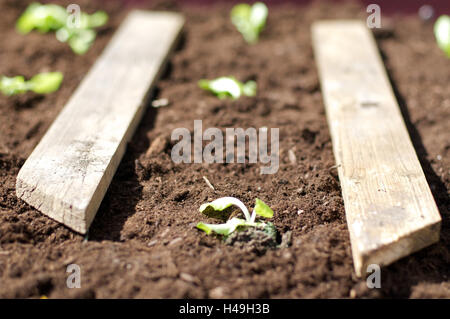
[(41, 83), (442, 33), (228, 86), (250, 20), (221, 204), (50, 17), (81, 38)]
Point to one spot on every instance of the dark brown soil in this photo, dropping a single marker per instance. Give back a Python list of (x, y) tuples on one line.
[(143, 242)]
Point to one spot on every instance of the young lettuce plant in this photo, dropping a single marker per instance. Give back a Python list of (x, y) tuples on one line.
[(81, 38), (218, 206), (442, 33), (41, 83), (51, 17), (228, 86), (250, 20)]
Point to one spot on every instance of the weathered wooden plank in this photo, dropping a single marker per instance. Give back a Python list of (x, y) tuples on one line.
[(390, 210), (69, 171)]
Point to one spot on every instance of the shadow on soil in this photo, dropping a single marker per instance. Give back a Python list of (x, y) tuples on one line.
[(431, 264)]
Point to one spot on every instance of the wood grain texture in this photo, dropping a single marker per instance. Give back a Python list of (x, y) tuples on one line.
[(389, 207), (69, 171)]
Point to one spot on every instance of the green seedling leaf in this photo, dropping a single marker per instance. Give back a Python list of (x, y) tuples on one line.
[(97, 19), (221, 204), (261, 209), (228, 86), (41, 83), (81, 40), (249, 88), (44, 18), (44, 83), (250, 20), (222, 229), (442, 33), (13, 85)]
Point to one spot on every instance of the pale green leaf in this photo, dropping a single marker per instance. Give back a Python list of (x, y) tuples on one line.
[(262, 209), (45, 82), (222, 229), (81, 40), (258, 15), (13, 85), (44, 18), (250, 20), (442, 33), (249, 88), (228, 86), (97, 19)]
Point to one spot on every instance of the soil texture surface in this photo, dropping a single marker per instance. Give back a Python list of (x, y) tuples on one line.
[(143, 242)]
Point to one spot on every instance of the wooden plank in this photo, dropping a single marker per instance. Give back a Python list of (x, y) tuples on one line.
[(390, 210), (69, 171)]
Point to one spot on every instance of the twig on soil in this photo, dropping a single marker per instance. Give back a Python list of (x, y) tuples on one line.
[(208, 183), (292, 157), (334, 166)]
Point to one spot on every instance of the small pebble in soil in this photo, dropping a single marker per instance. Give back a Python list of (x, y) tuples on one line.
[(292, 157), (187, 277), (160, 102), (217, 292), (175, 241)]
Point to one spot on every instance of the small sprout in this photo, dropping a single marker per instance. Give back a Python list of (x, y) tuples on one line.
[(228, 86), (217, 206), (41, 83), (250, 20), (51, 17), (261, 209), (160, 103), (442, 33)]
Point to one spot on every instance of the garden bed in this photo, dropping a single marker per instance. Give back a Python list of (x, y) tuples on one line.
[(143, 241)]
